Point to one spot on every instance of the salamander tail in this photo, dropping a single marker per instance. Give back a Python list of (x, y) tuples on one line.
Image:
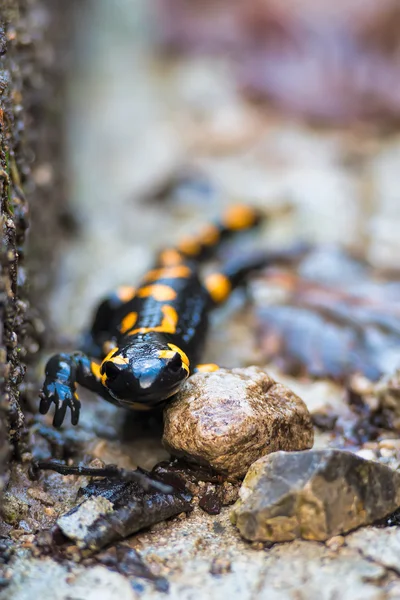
[(235, 219)]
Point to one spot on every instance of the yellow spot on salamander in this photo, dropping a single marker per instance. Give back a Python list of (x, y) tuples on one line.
[(168, 323), (184, 357), (168, 354), (126, 293), (240, 217), (109, 355), (95, 368), (170, 319), (128, 322), (218, 286), (209, 235), (190, 246), (158, 291), (206, 368), (177, 272), (118, 360), (170, 257)]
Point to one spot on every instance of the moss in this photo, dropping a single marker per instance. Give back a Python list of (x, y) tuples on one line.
[(13, 509)]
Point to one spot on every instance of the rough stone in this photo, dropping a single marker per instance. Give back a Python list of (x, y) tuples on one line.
[(124, 509), (75, 524), (313, 495), (227, 419)]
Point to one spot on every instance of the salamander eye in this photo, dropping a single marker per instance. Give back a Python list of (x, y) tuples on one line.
[(175, 364), (111, 370)]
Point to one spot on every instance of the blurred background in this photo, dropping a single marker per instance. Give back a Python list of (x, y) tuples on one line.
[(176, 108)]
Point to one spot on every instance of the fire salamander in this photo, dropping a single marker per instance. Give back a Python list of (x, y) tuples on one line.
[(149, 339)]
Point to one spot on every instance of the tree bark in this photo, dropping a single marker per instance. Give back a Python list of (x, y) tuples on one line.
[(34, 38)]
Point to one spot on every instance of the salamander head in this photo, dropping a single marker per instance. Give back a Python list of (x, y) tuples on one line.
[(144, 373)]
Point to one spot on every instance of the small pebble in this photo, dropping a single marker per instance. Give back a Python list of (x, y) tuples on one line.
[(15, 534), (220, 566), (387, 452), (370, 445), (26, 526), (96, 463), (41, 496), (391, 444), (335, 542), (367, 454), (27, 540), (257, 546)]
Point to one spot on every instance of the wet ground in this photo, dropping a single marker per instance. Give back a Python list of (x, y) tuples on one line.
[(163, 145)]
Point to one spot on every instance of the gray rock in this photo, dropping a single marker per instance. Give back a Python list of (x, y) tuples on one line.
[(313, 495), (227, 419), (75, 524), (98, 522)]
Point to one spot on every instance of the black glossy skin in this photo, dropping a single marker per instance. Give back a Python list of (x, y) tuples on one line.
[(150, 343), (147, 378), (192, 305)]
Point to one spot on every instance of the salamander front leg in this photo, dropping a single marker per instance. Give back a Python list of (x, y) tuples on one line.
[(59, 389), (63, 372)]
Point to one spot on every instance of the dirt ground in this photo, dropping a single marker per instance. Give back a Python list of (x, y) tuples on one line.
[(137, 123)]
